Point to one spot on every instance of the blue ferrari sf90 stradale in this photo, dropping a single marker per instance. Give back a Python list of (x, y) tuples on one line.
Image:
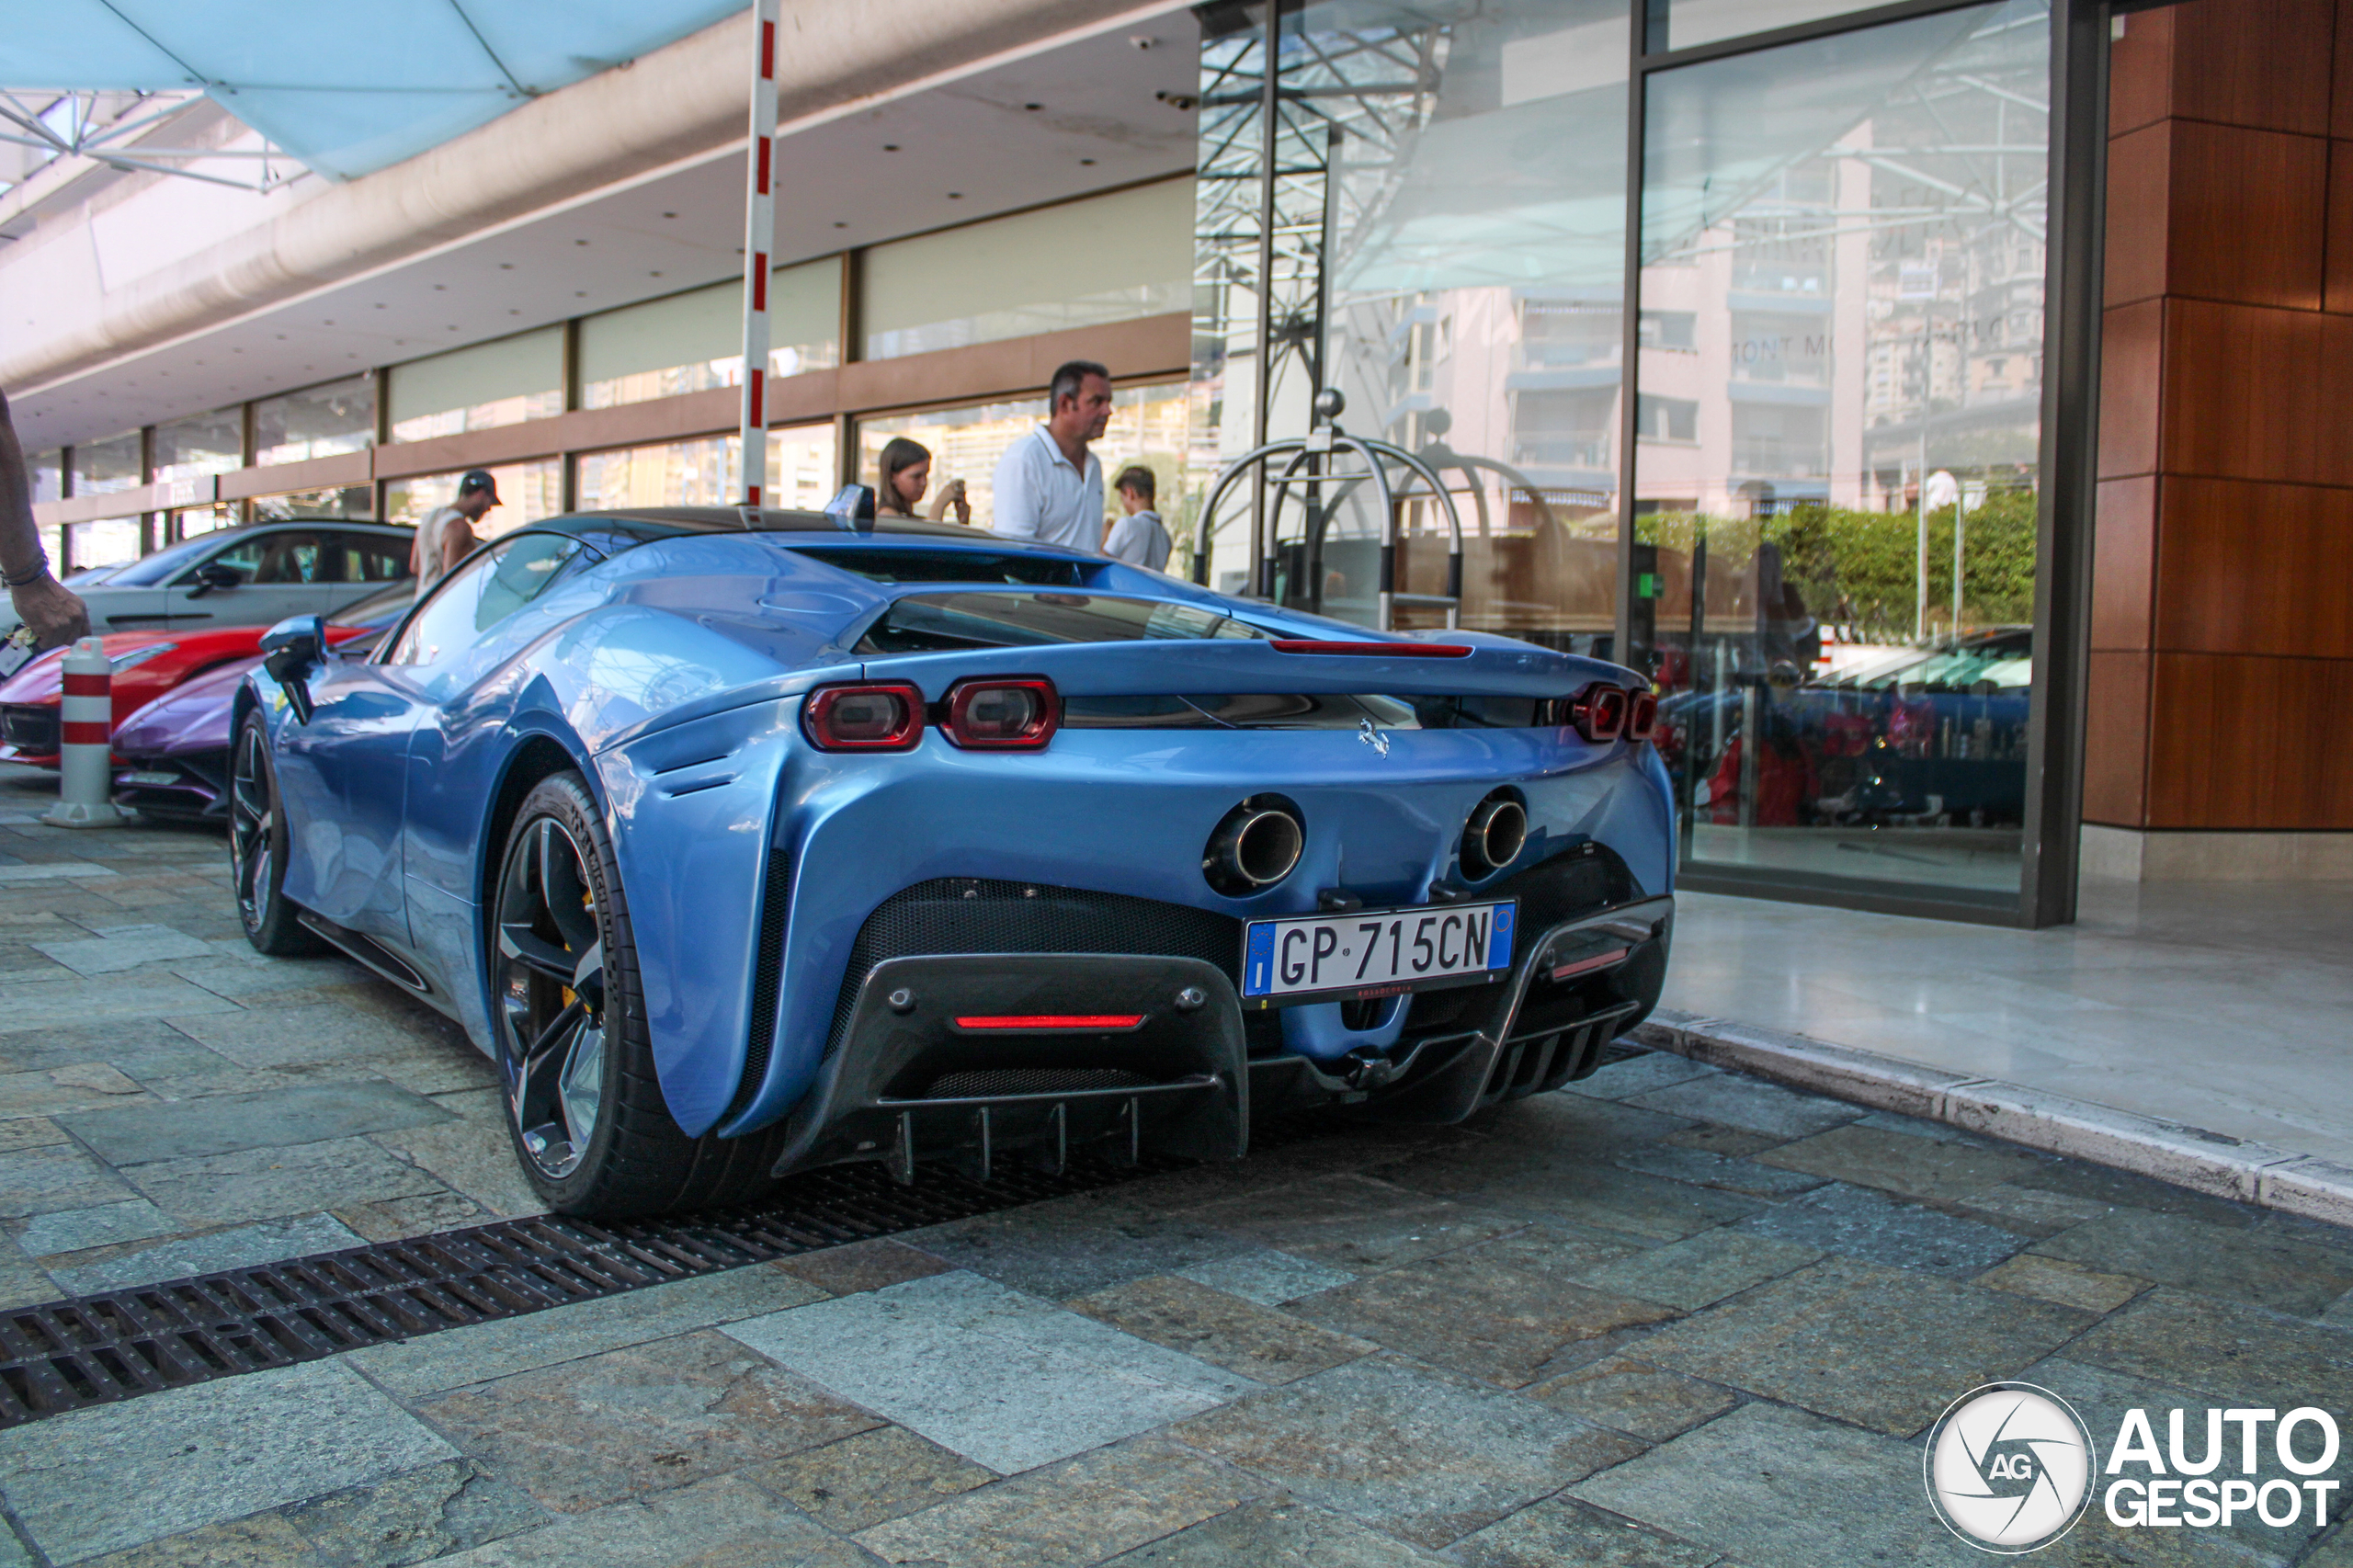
[(745, 841)]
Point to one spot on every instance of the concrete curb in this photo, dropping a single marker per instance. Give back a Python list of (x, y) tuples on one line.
[(2169, 1151)]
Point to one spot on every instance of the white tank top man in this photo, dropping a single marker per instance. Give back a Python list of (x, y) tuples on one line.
[(447, 536)]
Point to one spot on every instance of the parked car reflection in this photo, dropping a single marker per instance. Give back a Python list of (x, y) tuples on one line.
[(1912, 737)]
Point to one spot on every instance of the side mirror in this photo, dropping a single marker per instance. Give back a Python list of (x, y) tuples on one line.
[(290, 651), (215, 575)]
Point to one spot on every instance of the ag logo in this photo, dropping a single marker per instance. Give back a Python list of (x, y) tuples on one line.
[(2009, 1467)]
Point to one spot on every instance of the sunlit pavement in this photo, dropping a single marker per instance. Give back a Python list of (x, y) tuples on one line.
[(2219, 1005), (1671, 1317)]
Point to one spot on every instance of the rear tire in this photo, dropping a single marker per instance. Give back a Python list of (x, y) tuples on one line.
[(585, 1105), (257, 847)]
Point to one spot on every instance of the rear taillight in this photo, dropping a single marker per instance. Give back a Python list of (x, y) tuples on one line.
[(1599, 712), (997, 714), (1642, 715), (887, 716)]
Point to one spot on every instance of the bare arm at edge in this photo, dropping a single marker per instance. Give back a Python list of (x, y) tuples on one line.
[(55, 612)]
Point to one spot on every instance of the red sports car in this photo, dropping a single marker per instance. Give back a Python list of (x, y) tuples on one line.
[(146, 664)]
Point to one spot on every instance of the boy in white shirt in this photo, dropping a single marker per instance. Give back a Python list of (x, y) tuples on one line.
[(1137, 538)]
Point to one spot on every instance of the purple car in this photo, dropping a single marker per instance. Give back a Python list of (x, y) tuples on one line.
[(172, 756)]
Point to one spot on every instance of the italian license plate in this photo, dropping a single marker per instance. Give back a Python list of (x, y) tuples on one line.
[(1377, 952), (152, 775)]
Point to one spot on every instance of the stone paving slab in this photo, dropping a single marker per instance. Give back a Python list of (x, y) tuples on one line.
[(243, 1247), (203, 1455), (507, 1345), (641, 1419), (1425, 1455), (225, 1124), (1006, 1379), (1769, 1487)]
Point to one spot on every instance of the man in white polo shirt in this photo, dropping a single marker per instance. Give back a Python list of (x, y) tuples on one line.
[(1049, 486)]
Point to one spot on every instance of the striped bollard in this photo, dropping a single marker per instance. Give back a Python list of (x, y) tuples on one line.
[(86, 730)]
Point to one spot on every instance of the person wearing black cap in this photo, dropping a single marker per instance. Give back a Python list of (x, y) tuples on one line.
[(447, 536)]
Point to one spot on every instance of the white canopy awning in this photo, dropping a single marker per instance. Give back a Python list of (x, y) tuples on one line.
[(345, 88)]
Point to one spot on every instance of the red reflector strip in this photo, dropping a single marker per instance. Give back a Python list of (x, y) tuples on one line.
[(89, 686), (93, 734), (1372, 650), (1584, 965), (1031, 1021)]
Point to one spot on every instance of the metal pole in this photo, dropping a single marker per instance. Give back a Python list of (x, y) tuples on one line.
[(1920, 569), (759, 234), (1957, 503), (1262, 533)]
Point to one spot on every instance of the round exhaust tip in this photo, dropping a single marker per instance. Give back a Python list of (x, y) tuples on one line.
[(1257, 845), (1494, 836)]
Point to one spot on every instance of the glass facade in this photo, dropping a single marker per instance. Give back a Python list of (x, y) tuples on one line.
[(48, 475), (200, 445), (693, 342), (108, 542), (103, 468), (1104, 259), (480, 388), (1810, 518), (317, 422), (344, 501), (707, 473), (1854, 229)]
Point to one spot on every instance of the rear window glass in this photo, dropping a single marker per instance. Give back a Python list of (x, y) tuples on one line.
[(950, 566), (936, 623)]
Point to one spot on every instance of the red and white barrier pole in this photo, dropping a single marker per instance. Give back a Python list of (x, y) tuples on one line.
[(85, 760), (759, 238)]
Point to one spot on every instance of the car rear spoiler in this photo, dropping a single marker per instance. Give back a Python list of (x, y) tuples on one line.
[(1442, 665)]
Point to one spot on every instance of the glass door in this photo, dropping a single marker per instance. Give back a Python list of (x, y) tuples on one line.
[(1839, 423)]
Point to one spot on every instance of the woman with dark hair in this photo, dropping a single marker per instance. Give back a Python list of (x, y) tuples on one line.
[(903, 474)]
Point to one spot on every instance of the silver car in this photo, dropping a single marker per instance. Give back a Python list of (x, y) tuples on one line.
[(256, 576)]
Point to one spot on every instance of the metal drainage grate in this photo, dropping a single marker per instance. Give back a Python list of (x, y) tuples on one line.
[(96, 1349)]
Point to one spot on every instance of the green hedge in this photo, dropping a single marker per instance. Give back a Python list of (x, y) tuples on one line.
[(1870, 558)]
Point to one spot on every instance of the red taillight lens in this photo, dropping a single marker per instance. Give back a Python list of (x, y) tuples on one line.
[(887, 717), (1599, 712), (1642, 715), (991, 714)]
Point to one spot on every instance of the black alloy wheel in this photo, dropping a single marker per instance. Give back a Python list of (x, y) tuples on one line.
[(257, 845), (585, 1105), (552, 996)]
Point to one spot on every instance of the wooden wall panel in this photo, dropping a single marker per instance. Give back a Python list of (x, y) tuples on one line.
[(2254, 569), (2131, 364), (2140, 175), (2340, 118), (2245, 743), (2116, 740), (2262, 63), (2246, 211), (2124, 562), (2140, 71), (2220, 692), (2337, 263), (2254, 394)]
